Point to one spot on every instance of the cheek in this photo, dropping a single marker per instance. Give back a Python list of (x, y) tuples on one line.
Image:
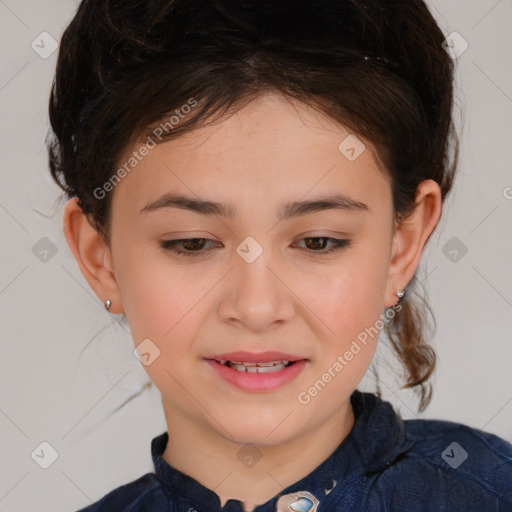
[(162, 303), (348, 303), (155, 295), (348, 295)]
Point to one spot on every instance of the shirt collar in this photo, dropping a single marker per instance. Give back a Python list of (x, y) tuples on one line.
[(377, 438)]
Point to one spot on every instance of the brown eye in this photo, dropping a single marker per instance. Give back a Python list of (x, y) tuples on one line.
[(317, 244), (192, 246)]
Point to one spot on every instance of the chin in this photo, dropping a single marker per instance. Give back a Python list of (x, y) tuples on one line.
[(269, 431)]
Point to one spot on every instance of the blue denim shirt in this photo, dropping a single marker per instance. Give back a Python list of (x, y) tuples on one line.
[(385, 464)]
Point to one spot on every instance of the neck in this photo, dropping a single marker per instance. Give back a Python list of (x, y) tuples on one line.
[(203, 454)]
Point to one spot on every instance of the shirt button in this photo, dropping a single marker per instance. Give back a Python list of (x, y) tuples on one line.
[(300, 501)]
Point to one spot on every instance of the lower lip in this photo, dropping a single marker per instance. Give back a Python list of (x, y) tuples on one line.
[(257, 382)]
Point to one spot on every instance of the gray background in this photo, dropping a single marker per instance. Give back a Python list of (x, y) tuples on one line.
[(66, 363)]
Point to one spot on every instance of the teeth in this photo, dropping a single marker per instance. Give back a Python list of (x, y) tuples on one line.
[(269, 367), (257, 369), (270, 363)]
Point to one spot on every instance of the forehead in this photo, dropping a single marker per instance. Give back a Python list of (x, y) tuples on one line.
[(271, 148)]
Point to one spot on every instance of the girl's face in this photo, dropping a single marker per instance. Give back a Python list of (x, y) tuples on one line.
[(260, 279)]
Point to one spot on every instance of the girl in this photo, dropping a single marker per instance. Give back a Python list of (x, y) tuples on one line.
[(252, 183)]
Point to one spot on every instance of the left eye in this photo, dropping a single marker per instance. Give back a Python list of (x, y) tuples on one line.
[(194, 246)]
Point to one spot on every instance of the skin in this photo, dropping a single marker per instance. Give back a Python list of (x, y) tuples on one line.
[(291, 298)]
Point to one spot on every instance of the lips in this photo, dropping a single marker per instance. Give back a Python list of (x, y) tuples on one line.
[(257, 379), (257, 372)]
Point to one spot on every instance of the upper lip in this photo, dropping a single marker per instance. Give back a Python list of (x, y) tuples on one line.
[(251, 357)]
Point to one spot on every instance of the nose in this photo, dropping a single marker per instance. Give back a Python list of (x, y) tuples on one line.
[(257, 294)]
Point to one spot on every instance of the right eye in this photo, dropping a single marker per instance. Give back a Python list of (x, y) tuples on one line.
[(188, 243)]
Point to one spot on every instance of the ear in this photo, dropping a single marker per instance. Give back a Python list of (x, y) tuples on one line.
[(410, 238), (92, 255)]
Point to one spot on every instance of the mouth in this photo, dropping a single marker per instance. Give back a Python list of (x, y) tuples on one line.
[(257, 372)]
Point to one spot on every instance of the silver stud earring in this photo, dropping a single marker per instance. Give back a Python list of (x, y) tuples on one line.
[(107, 304), (400, 293)]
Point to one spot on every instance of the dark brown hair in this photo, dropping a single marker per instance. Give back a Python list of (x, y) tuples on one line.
[(377, 67)]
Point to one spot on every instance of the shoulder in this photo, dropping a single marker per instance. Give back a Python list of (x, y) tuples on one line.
[(461, 467), (141, 495), (461, 450)]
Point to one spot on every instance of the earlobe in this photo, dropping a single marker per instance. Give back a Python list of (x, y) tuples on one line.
[(411, 236), (92, 255)]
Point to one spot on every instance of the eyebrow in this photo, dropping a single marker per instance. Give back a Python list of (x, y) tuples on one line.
[(286, 211)]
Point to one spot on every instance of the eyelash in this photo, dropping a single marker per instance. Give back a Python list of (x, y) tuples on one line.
[(170, 245)]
